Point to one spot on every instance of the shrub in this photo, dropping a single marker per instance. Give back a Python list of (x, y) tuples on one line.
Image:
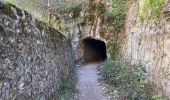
[(130, 81), (115, 51)]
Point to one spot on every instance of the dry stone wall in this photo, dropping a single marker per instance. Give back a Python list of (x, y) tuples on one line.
[(33, 57)]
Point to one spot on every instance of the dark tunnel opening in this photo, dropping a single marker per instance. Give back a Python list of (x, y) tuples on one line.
[(94, 50)]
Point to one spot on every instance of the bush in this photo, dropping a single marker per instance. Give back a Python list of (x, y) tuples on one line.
[(129, 80)]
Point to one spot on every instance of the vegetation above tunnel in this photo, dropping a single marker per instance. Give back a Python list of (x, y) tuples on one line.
[(119, 14)]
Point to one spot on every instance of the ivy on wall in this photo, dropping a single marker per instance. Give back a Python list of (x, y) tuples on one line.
[(151, 10), (119, 13)]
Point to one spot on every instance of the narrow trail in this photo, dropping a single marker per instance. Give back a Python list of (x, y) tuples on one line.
[(88, 86)]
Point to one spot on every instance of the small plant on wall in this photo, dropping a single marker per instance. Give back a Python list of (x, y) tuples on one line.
[(165, 73), (119, 13), (151, 10)]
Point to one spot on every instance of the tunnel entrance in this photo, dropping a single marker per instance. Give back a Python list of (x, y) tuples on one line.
[(93, 50)]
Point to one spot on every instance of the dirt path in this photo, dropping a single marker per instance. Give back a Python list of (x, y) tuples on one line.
[(88, 87)]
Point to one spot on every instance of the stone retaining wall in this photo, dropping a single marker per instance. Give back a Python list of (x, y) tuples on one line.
[(33, 56)]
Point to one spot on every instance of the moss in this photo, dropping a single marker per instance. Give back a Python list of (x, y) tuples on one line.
[(6, 9), (19, 11), (2, 78), (151, 10), (40, 25)]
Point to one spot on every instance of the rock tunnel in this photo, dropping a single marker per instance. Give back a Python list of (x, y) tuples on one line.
[(94, 50)]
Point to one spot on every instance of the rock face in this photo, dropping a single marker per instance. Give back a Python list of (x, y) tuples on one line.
[(149, 43), (33, 57)]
